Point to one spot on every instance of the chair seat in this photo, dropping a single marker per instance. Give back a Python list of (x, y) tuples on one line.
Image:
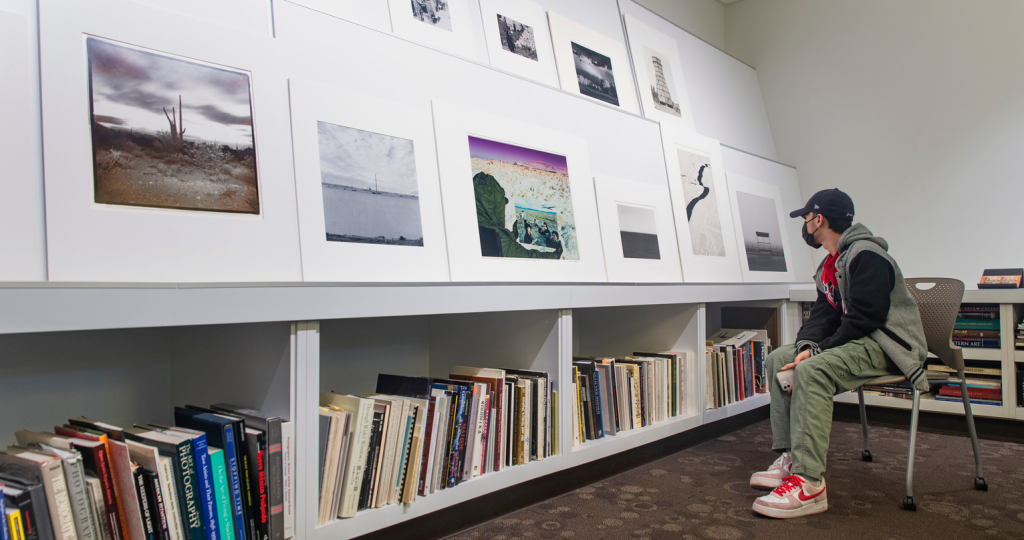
[(887, 379)]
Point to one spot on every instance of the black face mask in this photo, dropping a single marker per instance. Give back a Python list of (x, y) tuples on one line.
[(809, 237)]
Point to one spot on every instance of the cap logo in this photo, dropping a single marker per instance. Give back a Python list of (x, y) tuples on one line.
[(816, 207), (849, 214)]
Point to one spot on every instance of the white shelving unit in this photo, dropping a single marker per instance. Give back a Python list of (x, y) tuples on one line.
[(1004, 357), (130, 353)]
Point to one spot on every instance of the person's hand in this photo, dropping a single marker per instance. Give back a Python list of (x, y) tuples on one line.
[(799, 358)]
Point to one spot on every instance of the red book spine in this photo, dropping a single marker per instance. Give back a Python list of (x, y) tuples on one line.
[(426, 446)]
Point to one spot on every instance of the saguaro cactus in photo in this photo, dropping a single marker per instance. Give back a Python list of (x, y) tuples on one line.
[(177, 128)]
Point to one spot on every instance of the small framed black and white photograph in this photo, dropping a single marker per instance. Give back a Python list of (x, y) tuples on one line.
[(440, 24), (637, 231), (518, 40), (591, 64)]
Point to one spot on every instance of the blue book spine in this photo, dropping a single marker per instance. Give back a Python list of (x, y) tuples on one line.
[(453, 469), (598, 413), (207, 500), (5, 531), (234, 479)]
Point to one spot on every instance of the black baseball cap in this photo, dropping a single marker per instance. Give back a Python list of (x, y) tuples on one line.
[(829, 203)]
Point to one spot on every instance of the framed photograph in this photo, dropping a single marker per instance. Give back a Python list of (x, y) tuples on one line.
[(700, 202), (659, 74), (518, 200), (638, 231), (440, 24), (518, 40), (366, 182), (177, 167), (759, 219), (22, 235), (591, 64)]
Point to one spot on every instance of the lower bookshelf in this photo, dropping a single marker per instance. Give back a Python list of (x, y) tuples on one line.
[(931, 405)]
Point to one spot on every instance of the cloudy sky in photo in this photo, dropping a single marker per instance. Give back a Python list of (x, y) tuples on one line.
[(352, 157), (130, 89), (638, 219)]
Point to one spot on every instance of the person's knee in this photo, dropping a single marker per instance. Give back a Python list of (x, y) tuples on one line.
[(810, 371)]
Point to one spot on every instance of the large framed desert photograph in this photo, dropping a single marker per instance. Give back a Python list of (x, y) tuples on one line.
[(761, 227), (701, 205), (366, 183), (177, 167), (591, 64), (440, 24), (518, 40), (518, 200), (637, 230), (659, 74)]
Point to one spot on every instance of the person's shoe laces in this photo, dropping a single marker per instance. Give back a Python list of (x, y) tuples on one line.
[(789, 483)]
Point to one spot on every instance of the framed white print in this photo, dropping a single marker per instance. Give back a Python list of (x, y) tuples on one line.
[(760, 226), (592, 64), (700, 202), (518, 40), (22, 227), (366, 186), (370, 14), (638, 231), (659, 74), (518, 200), (440, 24), (166, 159)]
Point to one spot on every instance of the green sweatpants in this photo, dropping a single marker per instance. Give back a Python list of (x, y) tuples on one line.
[(802, 421)]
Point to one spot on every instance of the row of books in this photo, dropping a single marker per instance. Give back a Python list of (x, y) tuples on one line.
[(621, 394), (418, 435), (218, 474), (735, 365), (984, 384), (977, 326), (1018, 341)]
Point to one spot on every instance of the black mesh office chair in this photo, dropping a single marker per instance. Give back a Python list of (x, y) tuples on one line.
[(938, 300)]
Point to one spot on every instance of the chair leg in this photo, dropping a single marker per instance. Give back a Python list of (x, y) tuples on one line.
[(908, 501), (866, 454), (979, 481)]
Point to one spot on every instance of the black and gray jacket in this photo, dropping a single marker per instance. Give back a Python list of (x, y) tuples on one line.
[(873, 301)]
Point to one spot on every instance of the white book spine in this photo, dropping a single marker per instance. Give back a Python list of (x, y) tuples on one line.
[(288, 449)]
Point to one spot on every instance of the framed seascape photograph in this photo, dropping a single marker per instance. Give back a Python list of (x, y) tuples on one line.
[(700, 203), (761, 227), (518, 200), (441, 24), (638, 231), (591, 64), (366, 182), (659, 74), (518, 40), (178, 169)]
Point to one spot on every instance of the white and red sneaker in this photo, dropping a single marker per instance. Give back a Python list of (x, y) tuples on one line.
[(775, 475), (794, 498)]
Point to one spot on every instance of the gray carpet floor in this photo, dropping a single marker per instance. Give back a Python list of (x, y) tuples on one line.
[(703, 492)]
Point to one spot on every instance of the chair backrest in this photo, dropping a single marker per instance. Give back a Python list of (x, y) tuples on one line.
[(938, 300)]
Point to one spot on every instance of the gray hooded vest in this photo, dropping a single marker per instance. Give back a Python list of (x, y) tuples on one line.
[(902, 336)]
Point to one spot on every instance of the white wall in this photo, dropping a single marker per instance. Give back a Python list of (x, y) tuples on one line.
[(915, 108), (702, 18)]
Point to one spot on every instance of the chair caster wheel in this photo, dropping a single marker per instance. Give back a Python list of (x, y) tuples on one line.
[(981, 484), (909, 504), (866, 456)]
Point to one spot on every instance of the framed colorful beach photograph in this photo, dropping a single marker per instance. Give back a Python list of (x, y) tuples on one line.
[(700, 202), (178, 165), (366, 183), (518, 200), (638, 231)]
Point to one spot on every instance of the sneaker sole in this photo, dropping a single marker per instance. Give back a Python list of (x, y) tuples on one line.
[(810, 509)]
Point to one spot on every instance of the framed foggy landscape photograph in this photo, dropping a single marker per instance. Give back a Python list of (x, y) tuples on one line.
[(523, 201), (594, 74), (169, 132), (638, 231), (698, 182), (370, 191), (762, 239)]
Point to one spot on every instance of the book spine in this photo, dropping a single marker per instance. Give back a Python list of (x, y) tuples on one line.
[(363, 419), (225, 512), (6, 531), (424, 467), (236, 482), (193, 520), (169, 490), (12, 526), (275, 479), (76, 487), (101, 463), (261, 470), (255, 513), (977, 343), (157, 508), (595, 402), (60, 505), (287, 486), (201, 454), (459, 439), (140, 496)]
